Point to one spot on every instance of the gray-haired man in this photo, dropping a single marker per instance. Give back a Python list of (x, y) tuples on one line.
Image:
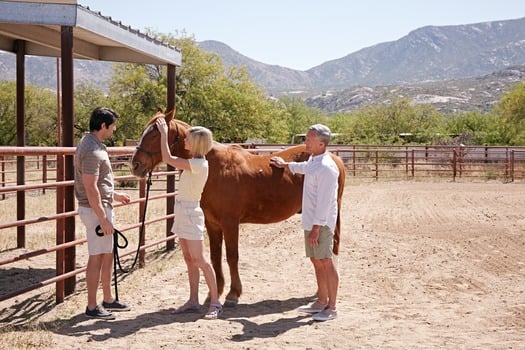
[(319, 216)]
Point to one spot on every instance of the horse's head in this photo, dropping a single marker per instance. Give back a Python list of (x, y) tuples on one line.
[(148, 155)]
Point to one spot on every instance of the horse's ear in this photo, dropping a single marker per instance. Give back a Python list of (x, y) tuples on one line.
[(170, 115)]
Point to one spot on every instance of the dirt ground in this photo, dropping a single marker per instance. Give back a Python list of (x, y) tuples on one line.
[(423, 265)]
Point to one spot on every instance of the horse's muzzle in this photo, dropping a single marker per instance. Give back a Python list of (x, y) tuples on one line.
[(138, 169)]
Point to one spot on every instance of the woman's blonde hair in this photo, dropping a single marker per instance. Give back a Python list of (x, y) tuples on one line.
[(200, 140)]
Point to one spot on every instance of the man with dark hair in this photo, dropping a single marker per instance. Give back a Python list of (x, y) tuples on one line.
[(95, 193)]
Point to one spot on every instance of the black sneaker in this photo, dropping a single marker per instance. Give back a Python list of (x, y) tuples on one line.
[(116, 306), (99, 312)]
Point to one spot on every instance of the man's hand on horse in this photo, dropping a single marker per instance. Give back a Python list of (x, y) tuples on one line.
[(278, 162)]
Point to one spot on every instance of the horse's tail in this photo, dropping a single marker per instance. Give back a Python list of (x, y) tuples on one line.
[(340, 190)]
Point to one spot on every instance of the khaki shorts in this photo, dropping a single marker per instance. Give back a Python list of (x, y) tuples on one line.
[(326, 244), (189, 220), (96, 244)]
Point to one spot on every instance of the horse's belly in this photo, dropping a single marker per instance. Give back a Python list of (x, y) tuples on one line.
[(266, 215)]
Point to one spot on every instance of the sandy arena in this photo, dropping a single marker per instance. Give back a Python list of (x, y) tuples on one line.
[(423, 265)]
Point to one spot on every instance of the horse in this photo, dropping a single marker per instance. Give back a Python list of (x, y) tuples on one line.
[(241, 188)]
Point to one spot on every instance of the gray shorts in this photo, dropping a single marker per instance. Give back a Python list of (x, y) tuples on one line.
[(96, 244), (326, 244), (189, 220)]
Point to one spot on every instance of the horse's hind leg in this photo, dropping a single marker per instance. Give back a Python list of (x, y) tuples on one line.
[(215, 237), (231, 239)]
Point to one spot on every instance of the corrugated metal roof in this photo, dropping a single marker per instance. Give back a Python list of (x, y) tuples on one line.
[(95, 36)]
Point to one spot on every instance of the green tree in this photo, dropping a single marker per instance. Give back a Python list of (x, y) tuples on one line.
[(299, 116), (222, 99), (474, 128), (511, 110), (362, 126), (40, 115), (7, 113), (87, 98), (136, 91), (397, 123), (208, 94)]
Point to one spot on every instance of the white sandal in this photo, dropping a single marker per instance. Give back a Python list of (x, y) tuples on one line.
[(214, 312)]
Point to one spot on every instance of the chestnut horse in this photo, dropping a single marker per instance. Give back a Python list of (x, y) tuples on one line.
[(241, 188)]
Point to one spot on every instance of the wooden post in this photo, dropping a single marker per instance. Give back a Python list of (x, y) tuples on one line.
[(170, 180), (454, 163), (20, 139), (67, 141), (60, 236)]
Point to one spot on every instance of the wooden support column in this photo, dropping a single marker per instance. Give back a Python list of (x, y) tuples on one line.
[(20, 48), (68, 137), (170, 185)]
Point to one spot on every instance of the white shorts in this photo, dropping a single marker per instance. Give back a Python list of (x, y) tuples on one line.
[(189, 220), (96, 244)]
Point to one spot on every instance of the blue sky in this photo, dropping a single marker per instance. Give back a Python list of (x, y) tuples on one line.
[(301, 34)]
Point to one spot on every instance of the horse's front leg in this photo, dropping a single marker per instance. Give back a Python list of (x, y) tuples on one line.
[(215, 237), (231, 240)]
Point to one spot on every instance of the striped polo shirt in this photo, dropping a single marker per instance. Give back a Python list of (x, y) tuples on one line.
[(91, 157)]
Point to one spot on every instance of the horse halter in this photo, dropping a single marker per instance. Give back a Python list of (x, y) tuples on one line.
[(175, 143)]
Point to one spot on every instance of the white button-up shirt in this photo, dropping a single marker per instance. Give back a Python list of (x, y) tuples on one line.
[(319, 190)]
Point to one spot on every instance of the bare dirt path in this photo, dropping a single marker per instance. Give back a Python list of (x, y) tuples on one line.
[(422, 266)]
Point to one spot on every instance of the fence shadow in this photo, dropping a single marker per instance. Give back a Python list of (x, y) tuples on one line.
[(24, 313), (17, 278)]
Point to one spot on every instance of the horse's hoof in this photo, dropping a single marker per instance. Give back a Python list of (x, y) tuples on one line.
[(230, 303)]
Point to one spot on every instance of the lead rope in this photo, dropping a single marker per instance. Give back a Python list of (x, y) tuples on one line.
[(116, 245)]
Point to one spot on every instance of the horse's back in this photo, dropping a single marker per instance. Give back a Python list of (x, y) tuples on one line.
[(243, 186)]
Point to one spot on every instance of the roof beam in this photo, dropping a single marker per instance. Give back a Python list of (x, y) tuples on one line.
[(95, 36), (38, 13)]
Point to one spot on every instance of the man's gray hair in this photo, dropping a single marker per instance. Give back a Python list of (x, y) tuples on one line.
[(322, 132)]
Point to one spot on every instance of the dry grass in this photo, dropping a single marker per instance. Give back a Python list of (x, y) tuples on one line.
[(28, 337)]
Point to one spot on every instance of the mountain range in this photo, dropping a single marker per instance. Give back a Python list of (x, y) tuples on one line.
[(432, 53), (461, 67)]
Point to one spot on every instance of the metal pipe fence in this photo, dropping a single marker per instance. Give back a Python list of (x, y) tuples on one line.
[(468, 163), (39, 158)]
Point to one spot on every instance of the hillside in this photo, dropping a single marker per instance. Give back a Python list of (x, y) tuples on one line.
[(448, 96), (426, 54)]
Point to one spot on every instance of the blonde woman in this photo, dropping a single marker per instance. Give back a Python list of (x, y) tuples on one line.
[(189, 218)]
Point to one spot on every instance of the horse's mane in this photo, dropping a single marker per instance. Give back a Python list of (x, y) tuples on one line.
[(154, 118), (162, 115)]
